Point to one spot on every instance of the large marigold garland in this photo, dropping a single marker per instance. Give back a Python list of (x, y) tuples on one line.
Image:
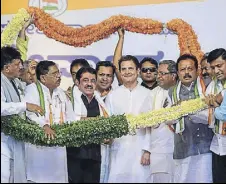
[(96, 130), (187, 39), (81, 37)]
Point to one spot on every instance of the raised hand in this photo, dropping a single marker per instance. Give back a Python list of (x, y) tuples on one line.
[(121, 32), (28, 22)]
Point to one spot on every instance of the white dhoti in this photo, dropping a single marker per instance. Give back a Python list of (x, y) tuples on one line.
[(6, 160), (105, 156), (194, 169), (12, 165), (125, 166), (162, 167), (46, 164)]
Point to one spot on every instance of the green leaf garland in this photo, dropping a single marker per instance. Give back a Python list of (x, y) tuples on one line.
[(78, 133)]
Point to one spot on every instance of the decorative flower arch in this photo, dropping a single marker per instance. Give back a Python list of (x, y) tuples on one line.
[(81, 37)]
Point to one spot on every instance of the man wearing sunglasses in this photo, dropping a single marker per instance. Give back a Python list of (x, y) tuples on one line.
[(149, 68)]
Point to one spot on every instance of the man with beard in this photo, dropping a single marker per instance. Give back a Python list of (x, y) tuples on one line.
[(48, 164), (161, 138), (217, 60), (192, 136), (148, 68), (84, 163), (206, 70), (130, 155)]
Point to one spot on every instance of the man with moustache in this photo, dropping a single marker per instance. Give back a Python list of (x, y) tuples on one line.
[(217, 61), (192, 136), (84, 163), (75, 66), (148, 68), (161, 139), (12, 151), (130, 155), (48, 164), (105, 76), (206, 70)]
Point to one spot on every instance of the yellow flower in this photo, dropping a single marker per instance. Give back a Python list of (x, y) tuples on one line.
[(165, 114), (11, 31)]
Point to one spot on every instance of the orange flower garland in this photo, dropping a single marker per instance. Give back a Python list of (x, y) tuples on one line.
[(81, 37), (187, 39)]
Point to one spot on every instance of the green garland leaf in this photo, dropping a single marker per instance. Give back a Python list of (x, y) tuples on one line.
[(75, 134)]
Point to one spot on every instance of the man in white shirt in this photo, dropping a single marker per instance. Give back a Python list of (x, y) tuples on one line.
[(105, 77), (217, 60), (12, 165), (130, 155), (48, 164), (162, 164)]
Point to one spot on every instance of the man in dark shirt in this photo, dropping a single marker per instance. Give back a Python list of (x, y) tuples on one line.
[(148, 68), (84, 162)]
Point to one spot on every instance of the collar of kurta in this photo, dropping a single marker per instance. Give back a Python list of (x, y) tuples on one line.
[(134, 89), (148, 87)]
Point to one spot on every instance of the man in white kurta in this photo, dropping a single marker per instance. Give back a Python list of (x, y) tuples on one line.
[(48, 164), (105, 77), (12, 165), (162, 143), (217, 60), (130, 157)]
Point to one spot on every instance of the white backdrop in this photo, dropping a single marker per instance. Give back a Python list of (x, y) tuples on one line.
[(207, 18)]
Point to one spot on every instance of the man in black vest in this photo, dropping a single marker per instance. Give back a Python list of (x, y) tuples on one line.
[(84, 162)]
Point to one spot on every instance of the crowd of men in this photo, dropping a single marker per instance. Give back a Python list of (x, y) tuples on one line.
[(190, 149)]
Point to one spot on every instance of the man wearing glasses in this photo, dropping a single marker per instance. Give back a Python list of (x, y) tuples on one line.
[(161, 137), (149, 68)]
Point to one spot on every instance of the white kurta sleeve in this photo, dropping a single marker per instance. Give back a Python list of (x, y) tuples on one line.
[(70, 114), (32, 96), (10, 108), (108, 104), (200, 117), (147, 139)]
